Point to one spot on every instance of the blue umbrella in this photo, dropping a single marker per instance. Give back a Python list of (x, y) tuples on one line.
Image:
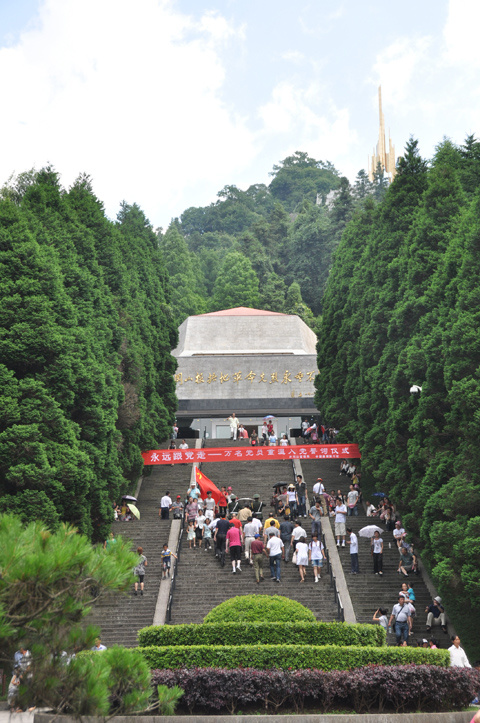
[(379, 494), (269, 416)]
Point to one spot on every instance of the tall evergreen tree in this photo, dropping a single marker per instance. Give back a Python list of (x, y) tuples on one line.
[(236, 284)]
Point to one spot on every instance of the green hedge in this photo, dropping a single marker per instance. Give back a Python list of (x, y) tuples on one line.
[(296, 657), (255, 608), (244, 633)]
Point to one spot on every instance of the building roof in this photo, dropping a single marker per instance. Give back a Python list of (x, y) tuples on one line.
[(243, 311), (244, 332)]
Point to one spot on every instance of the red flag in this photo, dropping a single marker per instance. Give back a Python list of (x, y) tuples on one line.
[(205, 484)]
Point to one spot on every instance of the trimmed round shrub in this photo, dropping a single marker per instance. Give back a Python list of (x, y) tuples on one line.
[(258, 608)]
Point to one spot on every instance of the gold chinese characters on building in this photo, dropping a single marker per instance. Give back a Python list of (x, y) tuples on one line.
[(272, 377), (286, 379)]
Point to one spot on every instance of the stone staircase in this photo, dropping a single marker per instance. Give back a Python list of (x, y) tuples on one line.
[(368, 591), (202, 584), (120, 616)]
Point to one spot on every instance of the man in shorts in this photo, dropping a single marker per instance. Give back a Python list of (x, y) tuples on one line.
[(166, 556)]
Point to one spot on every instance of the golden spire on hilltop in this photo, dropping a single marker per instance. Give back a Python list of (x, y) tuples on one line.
[(380, 155)]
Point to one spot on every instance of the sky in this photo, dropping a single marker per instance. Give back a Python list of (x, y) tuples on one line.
[(165, 102)]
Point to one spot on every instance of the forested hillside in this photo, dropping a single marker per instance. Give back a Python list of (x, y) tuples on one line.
[(89, 311), (402, 307), (269, 246), (85, 340)]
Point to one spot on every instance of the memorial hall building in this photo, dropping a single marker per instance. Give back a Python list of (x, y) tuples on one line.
[(246, 361)]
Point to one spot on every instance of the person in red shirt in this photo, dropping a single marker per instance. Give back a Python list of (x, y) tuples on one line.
[(234, 544), (222, 502), (235, 521)]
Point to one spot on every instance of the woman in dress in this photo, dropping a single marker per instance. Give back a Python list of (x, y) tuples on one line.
[(302, 557)]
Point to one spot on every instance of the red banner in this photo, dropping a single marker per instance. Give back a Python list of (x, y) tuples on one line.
[(249, 454)]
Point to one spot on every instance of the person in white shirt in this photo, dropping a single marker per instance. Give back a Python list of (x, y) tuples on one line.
[(340, 520), (257, 525), (264, 432), (200, 521), (377, 552), (458, 657), (249, 532), (209, 504), (183, 445), (297, 533), (165, 505), (352, 501), (234, 423), (284, 441), (319, 492), (381, 618), (353, 542), (292, 498), (399, 533), (371, 510), (305, 426), (316, 556), (274, 552)]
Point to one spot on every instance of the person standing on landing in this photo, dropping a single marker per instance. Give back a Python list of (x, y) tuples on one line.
[(234, 424)]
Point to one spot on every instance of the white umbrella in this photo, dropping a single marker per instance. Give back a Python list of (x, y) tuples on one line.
[(369, 530)]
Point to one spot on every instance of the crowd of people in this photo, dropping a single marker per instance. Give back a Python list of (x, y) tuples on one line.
[(236, 528)]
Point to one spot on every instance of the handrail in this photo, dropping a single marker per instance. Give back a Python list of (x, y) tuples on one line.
[(333, 585), (168, 616)]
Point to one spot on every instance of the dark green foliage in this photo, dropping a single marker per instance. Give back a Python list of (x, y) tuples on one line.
[(297, 657), (253, 608), (301, 177), (186, 297), (401, 308), (233, 213), (48, 583), (85, 337), (168, 698), (236, 284), (262, 633)]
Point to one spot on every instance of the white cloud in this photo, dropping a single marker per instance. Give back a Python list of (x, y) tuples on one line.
[(461, 34), (129, 92), (294, 56), (309, 116), (397, 67)]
